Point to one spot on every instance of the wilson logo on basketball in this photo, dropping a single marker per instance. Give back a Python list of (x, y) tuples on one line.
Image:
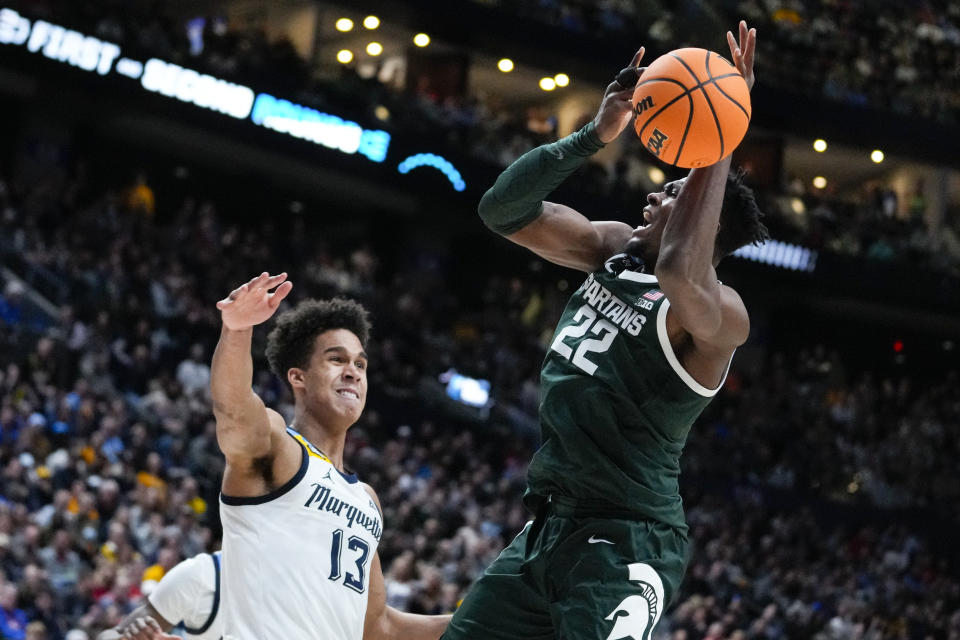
[(655, 143), (643, 105)]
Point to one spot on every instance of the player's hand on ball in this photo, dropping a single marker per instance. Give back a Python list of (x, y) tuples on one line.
[(616, 110), (742, 52), (253, 303)]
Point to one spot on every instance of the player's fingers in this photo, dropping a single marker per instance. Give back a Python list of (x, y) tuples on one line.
[(261, 280), (743, 33), (277, 296), (222, 304), (237, 293), (732, 43), (627, 78), (750, 49), (638, 56), (135, 630), (273, 281)]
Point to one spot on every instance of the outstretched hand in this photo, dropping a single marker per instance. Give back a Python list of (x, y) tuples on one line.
[(616, 110), (252, 303), (742, 52)]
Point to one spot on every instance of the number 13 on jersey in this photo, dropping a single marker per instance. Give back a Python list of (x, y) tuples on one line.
[(585, 320)]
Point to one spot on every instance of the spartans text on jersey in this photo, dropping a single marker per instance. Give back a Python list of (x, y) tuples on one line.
[(616, 310)]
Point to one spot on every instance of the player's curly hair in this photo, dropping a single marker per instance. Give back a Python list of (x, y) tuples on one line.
[(740, 217), (290, 343)]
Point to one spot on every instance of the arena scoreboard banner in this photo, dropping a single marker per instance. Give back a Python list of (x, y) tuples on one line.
[(98, 56)]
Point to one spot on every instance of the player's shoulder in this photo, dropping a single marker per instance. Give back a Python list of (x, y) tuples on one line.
[(277, 422), (373, 495), (196, 572), (731, 298), (201, 565), (735, 328)]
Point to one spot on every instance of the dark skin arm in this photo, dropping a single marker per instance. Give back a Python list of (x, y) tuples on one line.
[(706, 320), (563, 235), (711, 313)]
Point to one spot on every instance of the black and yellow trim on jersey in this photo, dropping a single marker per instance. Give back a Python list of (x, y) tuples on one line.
[(315, 452), (276, 493), (311, 450)]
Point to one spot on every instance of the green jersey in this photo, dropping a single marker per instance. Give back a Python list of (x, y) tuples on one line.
[(615, 403)]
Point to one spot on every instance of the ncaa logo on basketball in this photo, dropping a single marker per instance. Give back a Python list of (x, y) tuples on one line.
[(656, 141), (636, 616), (643, 105)]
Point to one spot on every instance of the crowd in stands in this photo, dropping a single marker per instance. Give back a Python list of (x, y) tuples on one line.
[(110, 467), (891, 55)]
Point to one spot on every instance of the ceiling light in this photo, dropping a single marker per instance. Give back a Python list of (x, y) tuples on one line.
[(421, 39), (344, 56), (561, 79), (820, 145), (374, 48), (820, 182), (371, 22), (877, 156), (548, 84), (505, 65)]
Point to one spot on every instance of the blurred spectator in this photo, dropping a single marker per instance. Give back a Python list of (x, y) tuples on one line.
[(11, 303), (193, 374), (13, 621)]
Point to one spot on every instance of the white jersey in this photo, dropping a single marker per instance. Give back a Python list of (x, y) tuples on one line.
[(297, 560), (189, 594)]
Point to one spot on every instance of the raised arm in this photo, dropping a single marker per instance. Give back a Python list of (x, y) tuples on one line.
[(244, 426), (514, 205), (386, 623), (711, 313)]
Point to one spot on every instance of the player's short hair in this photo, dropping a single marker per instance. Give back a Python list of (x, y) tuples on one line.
[(740, 217), (290, 344)]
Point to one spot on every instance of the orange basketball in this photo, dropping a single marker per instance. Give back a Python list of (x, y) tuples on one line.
[(692, 107)]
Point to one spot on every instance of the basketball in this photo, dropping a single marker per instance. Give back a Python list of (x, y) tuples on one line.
[(692, 107)]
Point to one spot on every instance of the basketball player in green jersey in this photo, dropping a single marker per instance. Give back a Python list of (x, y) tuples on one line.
[(640, 350)]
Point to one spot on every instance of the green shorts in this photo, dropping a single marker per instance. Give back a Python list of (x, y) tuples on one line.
[(571, 577)]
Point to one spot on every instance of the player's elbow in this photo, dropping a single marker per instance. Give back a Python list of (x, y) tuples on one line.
[(506, 218), (490, 212)]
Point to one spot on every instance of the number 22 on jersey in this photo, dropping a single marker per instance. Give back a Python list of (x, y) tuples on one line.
[(583, 321)]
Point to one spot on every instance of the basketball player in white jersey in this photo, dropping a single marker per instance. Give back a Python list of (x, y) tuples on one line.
[(189, 594), (300, 532)]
